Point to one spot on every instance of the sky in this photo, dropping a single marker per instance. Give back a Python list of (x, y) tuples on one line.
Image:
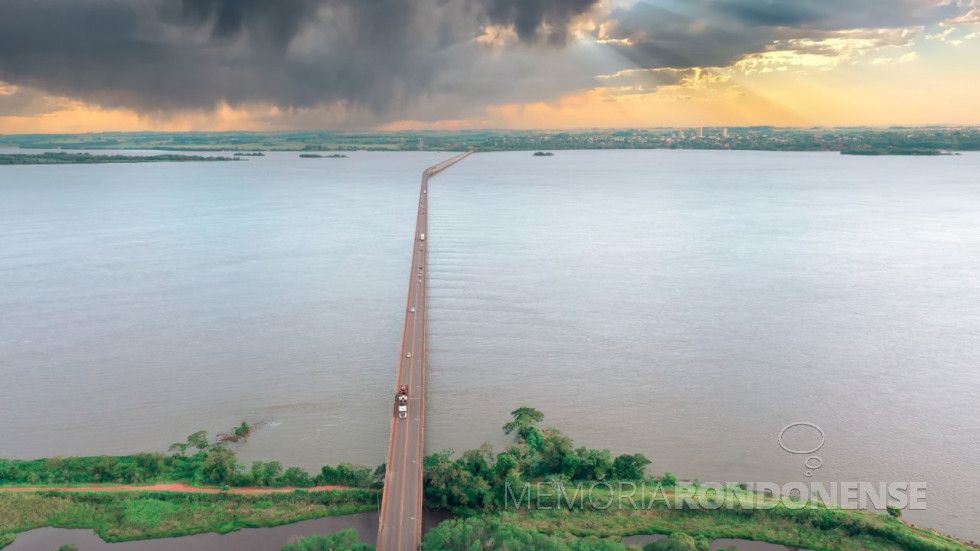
[(70, 66)]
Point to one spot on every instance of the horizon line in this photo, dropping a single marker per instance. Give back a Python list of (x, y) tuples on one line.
[(512, 130)]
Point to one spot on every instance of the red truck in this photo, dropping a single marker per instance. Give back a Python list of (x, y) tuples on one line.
[(402, 402)]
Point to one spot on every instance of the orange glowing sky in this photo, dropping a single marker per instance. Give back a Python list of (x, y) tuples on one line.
[(909, 75)]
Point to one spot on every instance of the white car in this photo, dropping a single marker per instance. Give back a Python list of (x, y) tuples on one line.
[(409, 355), (412, 310)]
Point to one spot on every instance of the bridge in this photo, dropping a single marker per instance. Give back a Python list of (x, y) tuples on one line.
[(400, 525)]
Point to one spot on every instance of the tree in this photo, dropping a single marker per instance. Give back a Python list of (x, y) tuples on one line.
[(127, 473), (449, 483), (199, 440), (630, 466), (593, 464), (479, 461), (675, 542), (556, 456), (266, 473), (345, 540), (178, 448), (346, 474), (219, 467), (103, 469), (152, 464), (295, 476), (893, 512), (524, 419), (378, 479), (668, 480)]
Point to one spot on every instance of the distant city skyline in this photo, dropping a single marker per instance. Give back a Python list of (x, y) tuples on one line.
[(138, 65)]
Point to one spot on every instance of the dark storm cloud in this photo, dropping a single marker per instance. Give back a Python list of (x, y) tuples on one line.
[(528, 17), (388, 59), (698, 33), (835, 14), (278, 21), (161, 55)]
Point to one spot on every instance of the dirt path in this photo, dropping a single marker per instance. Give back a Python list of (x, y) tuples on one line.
[(171, 487)]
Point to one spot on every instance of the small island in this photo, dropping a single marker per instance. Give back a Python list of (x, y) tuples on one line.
[(544, 154), (57, 158), (253, 154), (318, 156)]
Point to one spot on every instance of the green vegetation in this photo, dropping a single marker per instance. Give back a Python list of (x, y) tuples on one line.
[(318, 156), (118, 516), (544, 154), (88, 159), (675, 542), (478, 480), (491, 533), (252, 154), (765, 138), (819, 529), (195, 461), (530, 496), (345, 540), (809, 528), (588, 493)]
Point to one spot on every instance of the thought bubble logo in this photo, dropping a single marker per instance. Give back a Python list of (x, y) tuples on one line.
[(813, 462)]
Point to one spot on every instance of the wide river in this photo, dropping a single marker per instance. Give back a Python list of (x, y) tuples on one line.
[(687, 305)]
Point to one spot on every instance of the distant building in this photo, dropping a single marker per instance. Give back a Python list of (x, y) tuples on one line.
[(681, 135), (700, 132), (421, 143), (724, 133)]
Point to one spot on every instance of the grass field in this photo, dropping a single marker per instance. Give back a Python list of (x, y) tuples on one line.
[(128, 516), (818, 528)]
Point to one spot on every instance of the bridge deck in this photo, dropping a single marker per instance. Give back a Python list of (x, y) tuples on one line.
[(400, 526)]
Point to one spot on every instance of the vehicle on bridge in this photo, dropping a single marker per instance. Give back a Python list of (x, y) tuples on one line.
[(423, 237), (402, 402)]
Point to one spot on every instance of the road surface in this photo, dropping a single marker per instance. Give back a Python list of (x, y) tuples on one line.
[(400, 526)]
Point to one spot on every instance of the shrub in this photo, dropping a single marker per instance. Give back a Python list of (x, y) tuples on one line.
[(675, 542), (345, 540)]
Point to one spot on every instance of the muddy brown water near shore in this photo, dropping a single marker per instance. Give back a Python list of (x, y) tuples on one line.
[(271, 539)]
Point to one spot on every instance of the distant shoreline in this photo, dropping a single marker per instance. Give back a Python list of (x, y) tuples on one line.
[(64, 158), (97, 158), (931, 140)]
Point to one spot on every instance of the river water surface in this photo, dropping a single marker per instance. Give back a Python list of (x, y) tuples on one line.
[(686, 305)]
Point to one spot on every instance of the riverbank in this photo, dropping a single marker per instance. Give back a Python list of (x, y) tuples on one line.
[(748, 138), (59, 158), (805, 528), (178, 487), (135, 515), (130, 517), (540, 489)]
